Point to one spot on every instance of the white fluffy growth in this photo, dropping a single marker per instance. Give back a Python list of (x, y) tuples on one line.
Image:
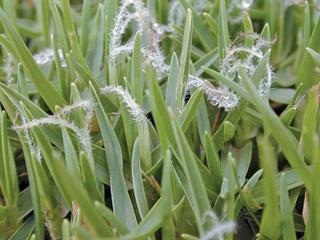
[(219, 229), (9, 67), (219, 96), (236, 8), (124, 96), (249, 58), (178, 13), (121, 23), (34, 149), (47, 56), (59, 119), (200, 5), (134, 11)]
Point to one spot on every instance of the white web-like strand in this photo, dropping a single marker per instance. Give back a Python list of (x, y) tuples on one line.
[(219, 96), (47, 56), (219, 229), (124, 96), (200, 5), (9, 67), (177, 12), (121, 22), (34, 149), (236, 8), (82, 133), (249, 58), (135, 11)]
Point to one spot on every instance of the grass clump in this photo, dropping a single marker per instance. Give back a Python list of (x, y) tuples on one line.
[(182, 119)]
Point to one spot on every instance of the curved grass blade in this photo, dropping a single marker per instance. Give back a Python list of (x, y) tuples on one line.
[(288, 229), (282, 135), (307, 73), (68, 185), (137, 181), (112, 219), (168, 228), (184, 61), (36, 75), (270, 223), (120, 198)]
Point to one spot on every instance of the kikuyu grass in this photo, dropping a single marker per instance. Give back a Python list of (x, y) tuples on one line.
[(171, 119)]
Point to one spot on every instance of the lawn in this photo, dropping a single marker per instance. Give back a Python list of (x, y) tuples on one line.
[(159, 119)]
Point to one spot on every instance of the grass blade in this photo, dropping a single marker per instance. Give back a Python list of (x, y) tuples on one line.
[(120, 198), (36, 75)]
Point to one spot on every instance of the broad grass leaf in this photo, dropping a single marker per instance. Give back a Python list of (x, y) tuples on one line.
[(25, 230), (120, 198)]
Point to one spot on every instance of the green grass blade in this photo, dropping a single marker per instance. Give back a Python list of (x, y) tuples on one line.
[(270, 223), (59, 26), (69, 187), (159, 111), (63, 81), (310, 124), (85, 26), (313, 230), (89, 178), (96, 43), (137, 83), (183, 75), (203, 121), (288, 230), (112, 218), (9, 6), (188, 115), (197, 188), (120, 198), (44, 19), (150, 224), (172, 84), (284, 138), (168, 228), (213, 162), (200, 28), (36, 75), (223, 36), (9, 181), (137, 182), (315, 56), (212, 24), (53, 215), (307, 73), (25, 231)]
